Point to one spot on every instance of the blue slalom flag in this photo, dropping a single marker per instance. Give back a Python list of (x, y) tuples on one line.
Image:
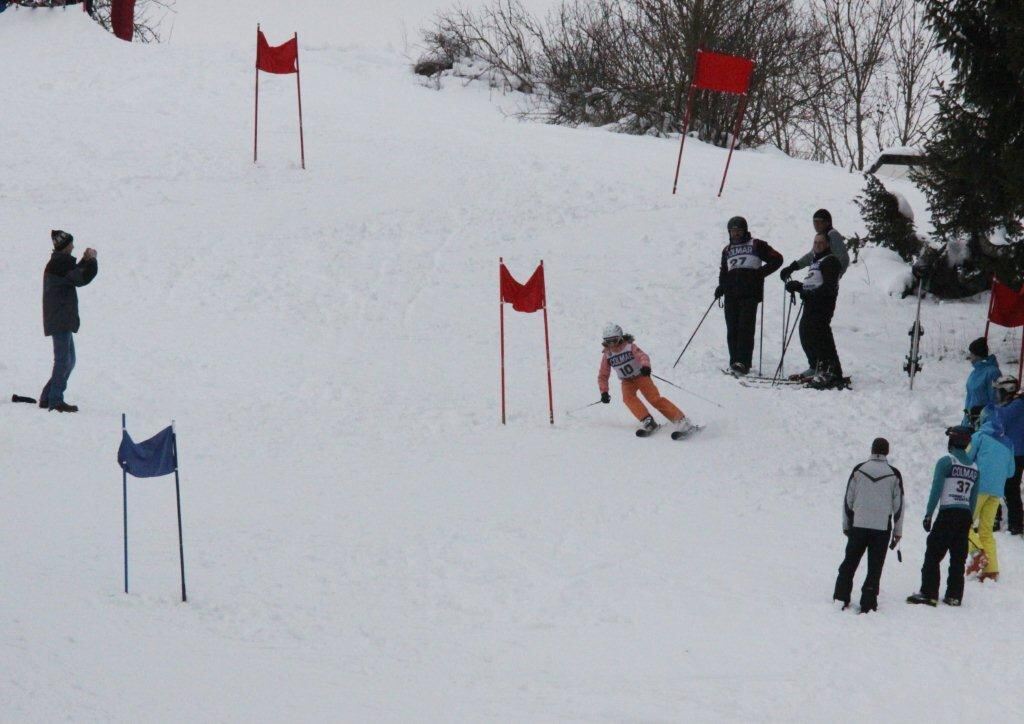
[(149, 458)]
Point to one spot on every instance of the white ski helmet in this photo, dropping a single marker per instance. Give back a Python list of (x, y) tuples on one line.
[(611, 331), (1007, 384)]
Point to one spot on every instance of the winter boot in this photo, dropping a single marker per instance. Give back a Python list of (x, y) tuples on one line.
[(978, 562), (994, 576), (950, 601), (921, 598), (738, 368), (64, 407)]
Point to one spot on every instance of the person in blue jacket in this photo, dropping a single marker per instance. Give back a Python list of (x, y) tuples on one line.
[(955, 492), (985, 371), (1010, 409), (993, 453)]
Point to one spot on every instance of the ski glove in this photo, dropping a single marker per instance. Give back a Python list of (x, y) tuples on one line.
[(927, 523), (895, 542), (795, 287), (719, 291), (606, 398), (645, 371), (787, 272)]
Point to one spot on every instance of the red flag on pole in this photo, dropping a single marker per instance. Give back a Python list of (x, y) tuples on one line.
[(122, 19), (527, 297), (723, 73), (1007, 306), (282, 59)]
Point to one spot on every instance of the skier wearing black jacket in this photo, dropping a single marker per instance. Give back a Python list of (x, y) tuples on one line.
[(746, 262), (61, 278), (819, 291)]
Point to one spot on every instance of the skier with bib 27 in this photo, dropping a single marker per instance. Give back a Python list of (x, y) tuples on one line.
[(633, 367), (819, 290), (955, 491), (746, 262)]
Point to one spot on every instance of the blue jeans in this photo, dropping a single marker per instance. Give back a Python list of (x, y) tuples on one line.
[(63, 363)]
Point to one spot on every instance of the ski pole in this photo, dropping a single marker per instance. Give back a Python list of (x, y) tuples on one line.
[(760, 344), (695, 331), (580, 409), (796, 323), (694, 394)]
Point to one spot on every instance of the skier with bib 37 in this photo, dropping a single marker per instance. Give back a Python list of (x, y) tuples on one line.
[(746, 262), (955, 491), (633, 367)]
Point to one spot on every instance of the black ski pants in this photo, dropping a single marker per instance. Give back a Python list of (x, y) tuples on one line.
[(740, 326), (1014, 507), (949, 535), (817, 340), (859, 540)]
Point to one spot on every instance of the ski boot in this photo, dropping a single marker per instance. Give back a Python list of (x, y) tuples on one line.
[(950, 601), (978, 562), (921, 598)]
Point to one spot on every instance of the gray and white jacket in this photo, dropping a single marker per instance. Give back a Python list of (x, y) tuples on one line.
[(874, 497), (837, 245)]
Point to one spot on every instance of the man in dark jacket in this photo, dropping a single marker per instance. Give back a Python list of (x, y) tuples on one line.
[(61, 278), (745, 264), (819, 290)]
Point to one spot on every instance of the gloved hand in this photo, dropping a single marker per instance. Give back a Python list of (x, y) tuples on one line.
[(787, 271), (794, 287), (927, 523), (606, 398), (896, 541), (645, 371), (719, 291)]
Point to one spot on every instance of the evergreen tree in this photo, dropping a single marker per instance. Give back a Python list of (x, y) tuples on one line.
[(975, 178), (886, 225)]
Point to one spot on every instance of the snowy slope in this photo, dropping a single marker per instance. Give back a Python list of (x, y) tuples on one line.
[(363, 540)]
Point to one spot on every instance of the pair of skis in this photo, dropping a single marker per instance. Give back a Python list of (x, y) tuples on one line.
[(676, 434), (913, 364)]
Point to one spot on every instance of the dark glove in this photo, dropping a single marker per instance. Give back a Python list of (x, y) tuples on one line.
[(795, 287), (787, 271), (719, 291), (896, 541), (606, 398), (927, 523), (645, 371)]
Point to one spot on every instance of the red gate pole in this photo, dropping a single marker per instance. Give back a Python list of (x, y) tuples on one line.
[(547, 351), (991, 301), (1020, 367), (732, 142), (298, 85), (682, 139), (256, 119), (501, 318)]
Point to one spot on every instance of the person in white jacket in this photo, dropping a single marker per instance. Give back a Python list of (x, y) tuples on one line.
[(872, 520)]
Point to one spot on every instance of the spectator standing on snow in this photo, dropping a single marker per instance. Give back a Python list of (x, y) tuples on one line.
[(1010, 409), (61, 278), (746, 263), (955, 491), (819, 290), (872, 521), (993, 453), (633, 367), (822, 221), (984, 372)]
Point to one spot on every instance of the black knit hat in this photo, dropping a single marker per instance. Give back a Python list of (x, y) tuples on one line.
[(824, 215), (737, 222), (61, 239), (880, 446), (979, 347)]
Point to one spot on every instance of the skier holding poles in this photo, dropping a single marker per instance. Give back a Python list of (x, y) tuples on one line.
[(633, 367), (746, 263)]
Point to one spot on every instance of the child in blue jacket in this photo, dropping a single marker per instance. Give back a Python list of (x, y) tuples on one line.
[(984, 371)]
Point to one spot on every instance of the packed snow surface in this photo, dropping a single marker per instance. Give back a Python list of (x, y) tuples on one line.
[(364, 541)]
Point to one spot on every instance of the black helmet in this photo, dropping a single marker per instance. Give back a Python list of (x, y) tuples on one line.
[(959, 436), (737, 222)]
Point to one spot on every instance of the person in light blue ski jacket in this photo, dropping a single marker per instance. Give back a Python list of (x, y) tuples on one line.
[(985, 371), (992, 451)]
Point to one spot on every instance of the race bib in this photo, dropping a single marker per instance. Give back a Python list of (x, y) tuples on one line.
[(624, 363)]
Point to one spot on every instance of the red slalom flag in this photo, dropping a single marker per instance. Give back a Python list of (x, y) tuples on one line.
[(723, 73), (281, 59), (122, 19), (528, 297), (1007, 306)]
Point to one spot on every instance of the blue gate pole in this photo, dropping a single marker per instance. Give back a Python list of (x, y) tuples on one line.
[(177, 495), (124, 507)]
